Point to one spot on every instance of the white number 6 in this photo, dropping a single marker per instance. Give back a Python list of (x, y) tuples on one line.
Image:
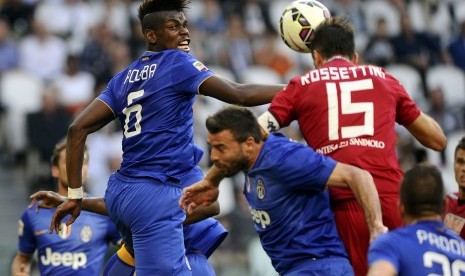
[(137, 108)]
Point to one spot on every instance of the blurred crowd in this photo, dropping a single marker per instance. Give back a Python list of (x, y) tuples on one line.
[(57, 55)]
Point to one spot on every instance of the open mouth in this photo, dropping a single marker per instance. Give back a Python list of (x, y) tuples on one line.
[(184, 45)]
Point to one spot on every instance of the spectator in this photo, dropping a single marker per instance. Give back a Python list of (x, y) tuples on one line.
[(379, 50), (454, 214), (456, 48)]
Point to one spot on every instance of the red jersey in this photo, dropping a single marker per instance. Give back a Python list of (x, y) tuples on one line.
[(349, 112), (454, 214)]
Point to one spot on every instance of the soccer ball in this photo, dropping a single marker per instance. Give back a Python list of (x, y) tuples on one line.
[(298, 22)]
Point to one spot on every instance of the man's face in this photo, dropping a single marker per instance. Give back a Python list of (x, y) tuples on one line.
[(172, 32), (59, 172), (459, 168), (226, 153)]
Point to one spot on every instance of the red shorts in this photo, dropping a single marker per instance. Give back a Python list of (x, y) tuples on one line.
[(353, 229)]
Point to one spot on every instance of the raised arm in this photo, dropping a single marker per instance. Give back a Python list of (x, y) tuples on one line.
[(240, 94), (362, 185), (428, 132)]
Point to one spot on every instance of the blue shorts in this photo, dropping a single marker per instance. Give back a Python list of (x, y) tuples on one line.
[(335, 266), (200, 265), (198, 262), (149, 211)]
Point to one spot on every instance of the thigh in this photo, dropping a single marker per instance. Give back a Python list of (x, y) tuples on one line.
[(324, 267), (200, 265), (152, 214), (353, 231)]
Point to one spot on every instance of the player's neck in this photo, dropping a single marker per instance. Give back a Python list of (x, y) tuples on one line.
[(413, 220), (338, 57)]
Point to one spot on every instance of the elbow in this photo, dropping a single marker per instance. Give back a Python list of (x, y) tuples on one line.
[(439, 143)]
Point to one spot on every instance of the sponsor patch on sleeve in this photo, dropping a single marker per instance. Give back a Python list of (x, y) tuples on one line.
[(200, 66)]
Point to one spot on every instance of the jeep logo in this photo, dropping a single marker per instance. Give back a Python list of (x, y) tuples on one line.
[(69, 259)]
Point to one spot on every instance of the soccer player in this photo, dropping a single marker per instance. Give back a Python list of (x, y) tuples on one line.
[(348, 112), (454, 214), (78, 249), (286, 189), (201, 236), (425, 246), (153, 99)]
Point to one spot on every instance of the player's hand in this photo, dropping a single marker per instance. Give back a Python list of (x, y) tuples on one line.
[(201, 193), (377, 230), (69, 207), (46, 199), (23, 271)]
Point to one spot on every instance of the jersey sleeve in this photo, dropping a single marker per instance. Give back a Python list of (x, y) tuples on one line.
[(188, 73), (27, 241), (282, 106), (383, 249), (303, 169), (407, 111), (108, 97)]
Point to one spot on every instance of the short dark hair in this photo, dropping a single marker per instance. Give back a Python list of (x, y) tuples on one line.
[(460, 145), (335, 36), (148, 7), (422, 191), (239, 120)]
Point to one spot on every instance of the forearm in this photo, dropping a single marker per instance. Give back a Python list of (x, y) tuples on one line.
[(203, 212), (95, 205), (21, 265), (258, 94), (214, 176), (75, 156), (365, 192)]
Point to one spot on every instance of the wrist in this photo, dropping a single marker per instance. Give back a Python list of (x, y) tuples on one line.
[(75, 193)]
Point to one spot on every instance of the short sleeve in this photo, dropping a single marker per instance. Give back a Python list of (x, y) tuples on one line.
[(27, 241), (188, 73), (406, 109), (303, 169), (382, 249), (282, 106), (108, 97)]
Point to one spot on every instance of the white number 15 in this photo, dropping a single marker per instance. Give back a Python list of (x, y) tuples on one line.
[(349, 107)]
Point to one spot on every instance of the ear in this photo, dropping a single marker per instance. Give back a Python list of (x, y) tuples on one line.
[(317, 58), (150, 36), (355, 59), (402, 210), (55, 171)]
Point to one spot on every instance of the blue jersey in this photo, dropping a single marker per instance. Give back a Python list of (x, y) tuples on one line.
[(153, 100), (289, 203), (78, 249), (423, 248)]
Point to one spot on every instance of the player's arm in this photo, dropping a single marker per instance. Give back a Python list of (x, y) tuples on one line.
[(203, 193), (240, 94), (96, 115), (203, 212), (362, 185), (21, 265), (50, 199), (428, 132), (382, 268)]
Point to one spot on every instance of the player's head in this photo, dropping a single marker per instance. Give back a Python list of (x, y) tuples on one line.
[(459, 164), (335, 36), (58, 162), (422, 192), (233, 134), (164, 24)]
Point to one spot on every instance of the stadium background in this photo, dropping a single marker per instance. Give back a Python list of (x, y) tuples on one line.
[(56, 55)]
